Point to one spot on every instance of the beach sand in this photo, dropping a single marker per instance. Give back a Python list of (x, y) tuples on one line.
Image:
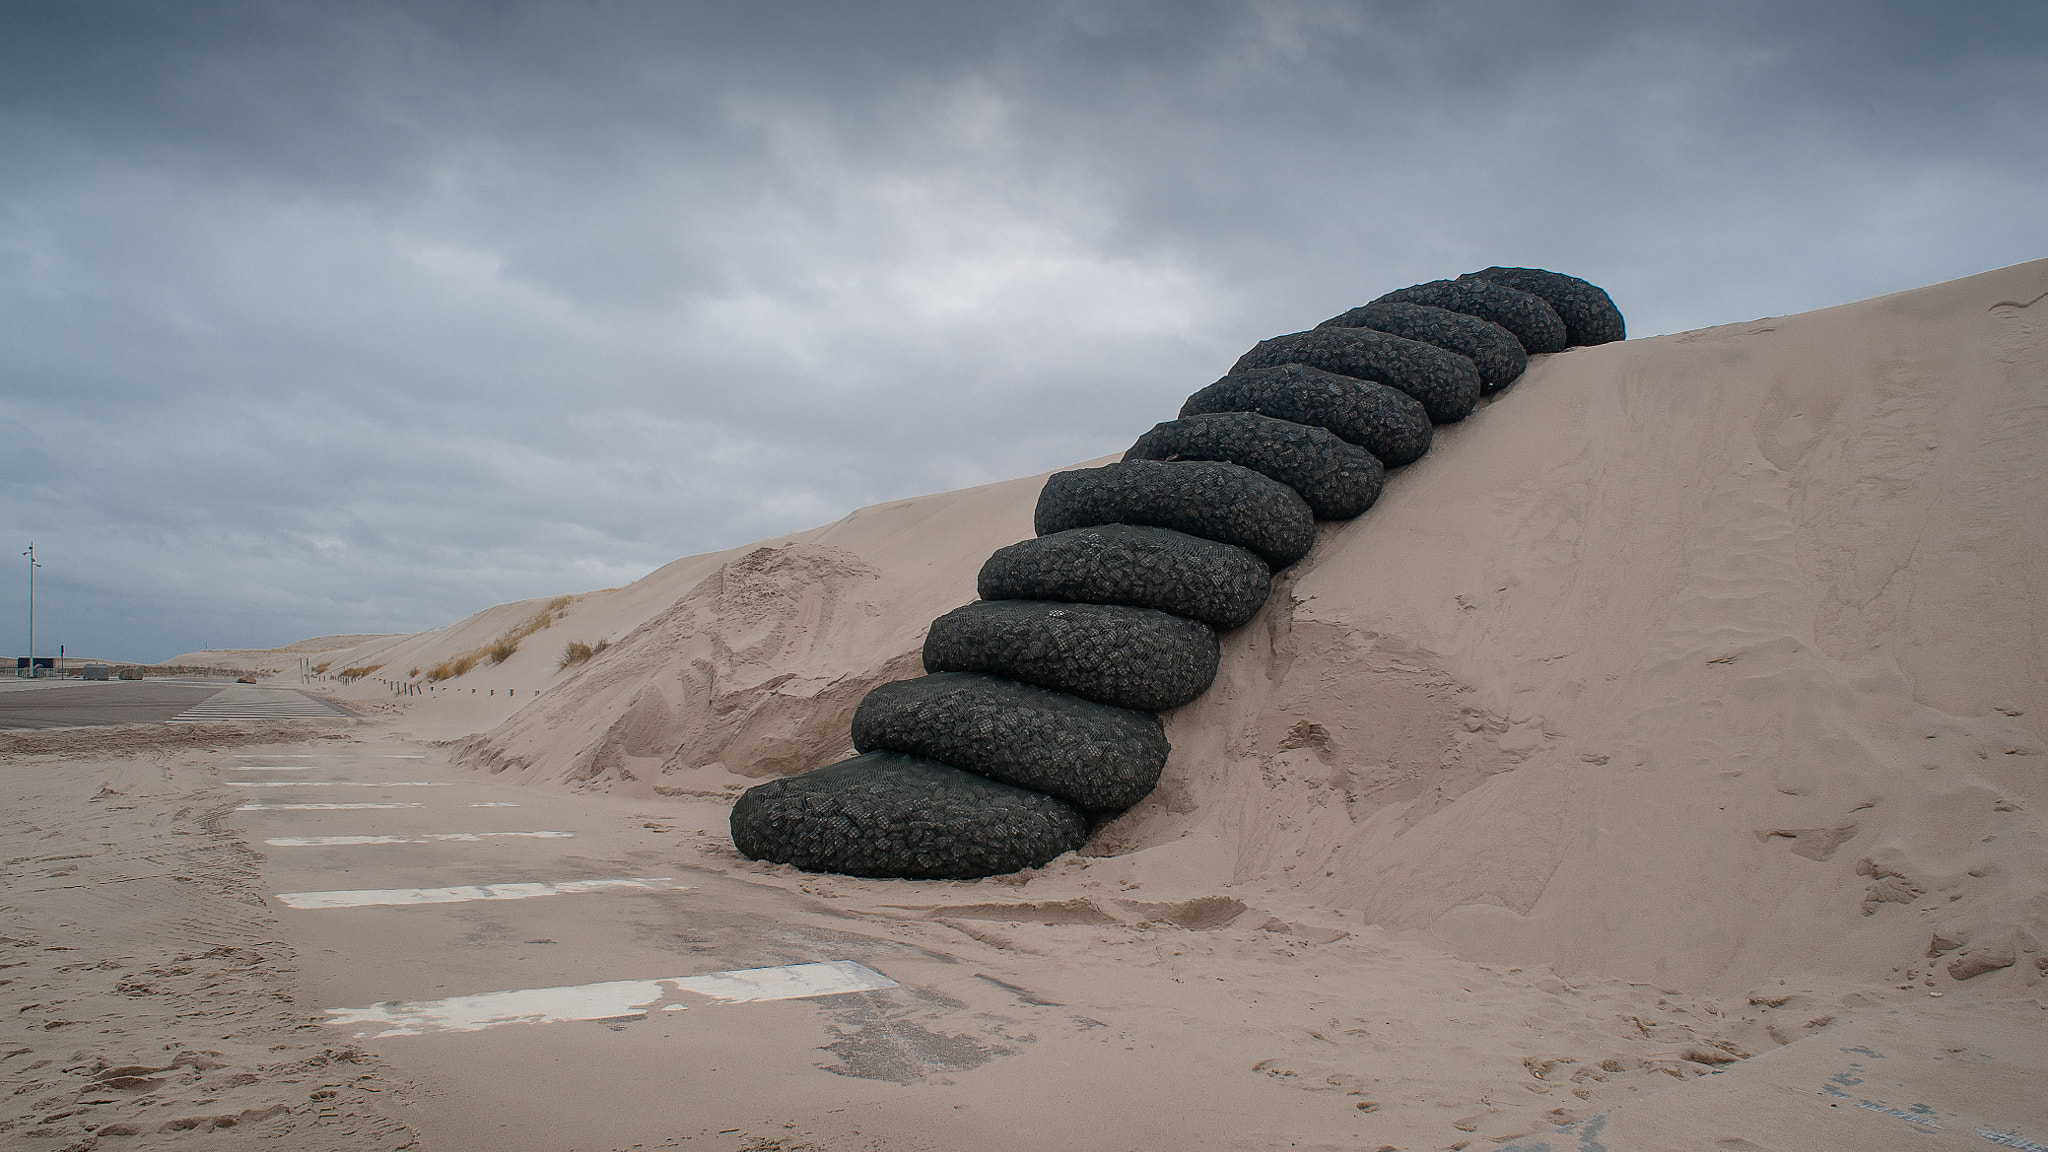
[(1660, 764)]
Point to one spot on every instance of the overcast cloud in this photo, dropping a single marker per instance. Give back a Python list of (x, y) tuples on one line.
[(360, 317)]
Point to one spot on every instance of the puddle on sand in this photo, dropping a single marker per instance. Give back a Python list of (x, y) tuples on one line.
[(883, 1036)]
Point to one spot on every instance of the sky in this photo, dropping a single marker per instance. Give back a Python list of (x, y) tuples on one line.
[(325, 318)]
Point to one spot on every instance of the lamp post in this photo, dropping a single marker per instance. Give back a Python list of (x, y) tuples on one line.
[(33, 564)]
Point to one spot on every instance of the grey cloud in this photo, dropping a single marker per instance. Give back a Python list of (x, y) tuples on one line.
[(354, 317)]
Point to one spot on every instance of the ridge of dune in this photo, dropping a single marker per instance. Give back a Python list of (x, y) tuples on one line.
[(1698, 659), (277, 659)]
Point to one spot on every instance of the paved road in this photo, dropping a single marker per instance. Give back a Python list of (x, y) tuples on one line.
[(113, 702), (567, 977), (155, 702), (581, 972)]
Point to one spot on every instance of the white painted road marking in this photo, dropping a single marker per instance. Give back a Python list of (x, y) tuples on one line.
[(614, 1000), (335, 784), (317, 807), (749, 985), (497, 804), (429, 838), (270, 767), (369, 897), (403, 756)]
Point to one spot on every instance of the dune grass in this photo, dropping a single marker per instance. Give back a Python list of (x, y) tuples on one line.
[(577, 652), (502, 649), (450, 669), (358, 672)]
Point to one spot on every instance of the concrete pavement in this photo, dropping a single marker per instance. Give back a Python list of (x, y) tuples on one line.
[(72, 704), (624, 994), (566, 971)]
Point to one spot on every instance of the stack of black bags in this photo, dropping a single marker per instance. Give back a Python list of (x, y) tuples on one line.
[(1036, 723)]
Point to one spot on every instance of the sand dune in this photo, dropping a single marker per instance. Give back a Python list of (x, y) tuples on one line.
[(275, 660), (1685, 703), (1694, 658)]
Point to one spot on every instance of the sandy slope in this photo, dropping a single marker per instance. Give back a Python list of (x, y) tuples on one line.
[(1685, 660), (1700, 658)]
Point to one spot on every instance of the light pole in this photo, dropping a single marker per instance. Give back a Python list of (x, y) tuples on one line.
[(33, 564)]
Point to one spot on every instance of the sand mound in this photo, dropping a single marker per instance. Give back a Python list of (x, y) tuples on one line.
[(756, 664), (1691, 658), (273, 660), (1703, 658)]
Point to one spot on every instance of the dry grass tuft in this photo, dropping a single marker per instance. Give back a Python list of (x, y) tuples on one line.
[(501, 649), (319, 668), (358, 672), (450, 669), (414, 674), (577, 652)]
